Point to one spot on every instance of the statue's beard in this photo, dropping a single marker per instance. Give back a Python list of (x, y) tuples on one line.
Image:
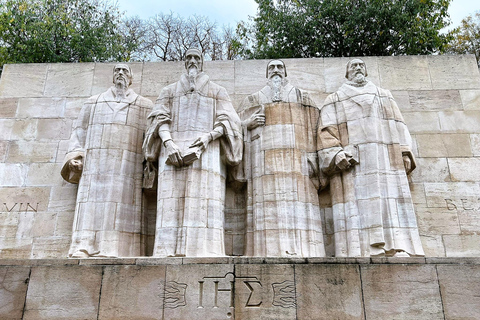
[(276, 83), (358, 79), (192, 76), (121, 87)]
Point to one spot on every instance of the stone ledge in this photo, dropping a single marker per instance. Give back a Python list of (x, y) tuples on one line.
[(146, 261)]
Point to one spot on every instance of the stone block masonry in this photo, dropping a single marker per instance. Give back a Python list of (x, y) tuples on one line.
[(240, 288)]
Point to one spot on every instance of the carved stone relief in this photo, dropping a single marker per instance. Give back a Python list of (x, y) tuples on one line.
[(194, 133), (365, 158), (105, 159)]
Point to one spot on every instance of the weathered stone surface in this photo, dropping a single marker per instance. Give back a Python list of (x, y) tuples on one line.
[(431, 170), (13, 288), (3, 150), (133, 292), (434, 221), (460, 121), (265, 292), (422, 122), (8, 107), (13, 74), (69, 79), (221, 73), (24, 129), (427, 100), (459, 286), (453, 72), (157, 75), (250, 75), (470, 99), (6, 127), (332, 291), (433, 245), (63, 293), (13, 175), (461, 169), (401, 292), (205, 291), (31, 151), (462, 245), (44, 174), (54, 129), (445, 145), (51, 246), (404, 73), (41, 107)]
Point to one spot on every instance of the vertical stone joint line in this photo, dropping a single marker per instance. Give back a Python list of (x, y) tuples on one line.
[(100, 293), (26, 292), (440, 291), (361, 289)]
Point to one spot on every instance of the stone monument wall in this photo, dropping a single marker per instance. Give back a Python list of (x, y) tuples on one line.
[(439, 97)]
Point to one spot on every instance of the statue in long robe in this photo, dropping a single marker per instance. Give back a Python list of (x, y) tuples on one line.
[(194, 132), (105, 159), (365, 156), (280, 127)]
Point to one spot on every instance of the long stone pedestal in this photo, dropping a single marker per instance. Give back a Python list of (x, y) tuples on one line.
[(241, 288)]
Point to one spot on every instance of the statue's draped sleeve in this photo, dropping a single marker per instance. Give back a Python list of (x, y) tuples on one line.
[(76, 149), (160, 115), (227, 118), (329, 141)]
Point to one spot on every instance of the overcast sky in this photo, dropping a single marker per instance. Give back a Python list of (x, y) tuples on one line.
[(232, 11)]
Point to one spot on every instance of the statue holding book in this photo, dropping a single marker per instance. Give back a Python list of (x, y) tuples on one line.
[(195, 134)]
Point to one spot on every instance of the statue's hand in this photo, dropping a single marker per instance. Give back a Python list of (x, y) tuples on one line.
[(202, 142), (173, 153), (76, 165), (407, 163), (342, 160), (255, 120)]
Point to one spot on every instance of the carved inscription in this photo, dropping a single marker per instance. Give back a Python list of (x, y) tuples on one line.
[(250, 285), (462, 204), (174, 295), (284, 294), (21, 207), (221, 285)]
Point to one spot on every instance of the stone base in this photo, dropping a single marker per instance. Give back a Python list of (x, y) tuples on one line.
[(241, 288)]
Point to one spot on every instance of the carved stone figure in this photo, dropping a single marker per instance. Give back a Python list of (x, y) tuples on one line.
[(105, 159), (194, 132), (280, 126), (365, 156)]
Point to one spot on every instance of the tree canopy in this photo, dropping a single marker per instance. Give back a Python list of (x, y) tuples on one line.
[(335, 28), (466, 38), (59, 31)]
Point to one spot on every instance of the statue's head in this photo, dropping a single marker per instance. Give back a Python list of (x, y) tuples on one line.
[(122, 74), (194, 59), (276, 67), (356, 68)]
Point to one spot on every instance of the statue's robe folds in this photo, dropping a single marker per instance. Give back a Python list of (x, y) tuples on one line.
[(108, 136), (191, 199), (373, 211), (283, 214)]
